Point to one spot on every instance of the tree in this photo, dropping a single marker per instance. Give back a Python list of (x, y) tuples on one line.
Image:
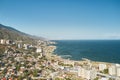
[(105, 71), (96, 78), (57, 79), (18, 67), (35, 72), (67, 79), (20, 78)]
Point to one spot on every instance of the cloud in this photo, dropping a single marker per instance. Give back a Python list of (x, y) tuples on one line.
[(112, 35)]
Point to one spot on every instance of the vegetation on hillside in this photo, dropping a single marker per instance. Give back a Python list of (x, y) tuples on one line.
[(13, 34)]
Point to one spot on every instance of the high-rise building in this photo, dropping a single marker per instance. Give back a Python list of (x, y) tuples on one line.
[(112, 70), (118, 71), (102, 67)]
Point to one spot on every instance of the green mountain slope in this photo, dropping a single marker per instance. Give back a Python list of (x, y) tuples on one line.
[(13, 34)]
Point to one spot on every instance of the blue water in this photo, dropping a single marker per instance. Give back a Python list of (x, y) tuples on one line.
[(96, 50)]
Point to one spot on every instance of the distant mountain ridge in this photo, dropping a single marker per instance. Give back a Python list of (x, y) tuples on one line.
[(7, 32)]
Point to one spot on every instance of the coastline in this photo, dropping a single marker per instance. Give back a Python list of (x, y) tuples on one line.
[(101, 51), (59, 57)]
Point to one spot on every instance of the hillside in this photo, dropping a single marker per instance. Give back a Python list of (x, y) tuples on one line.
[(7, 32)]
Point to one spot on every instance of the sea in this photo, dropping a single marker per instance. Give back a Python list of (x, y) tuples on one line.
[(95, 50)]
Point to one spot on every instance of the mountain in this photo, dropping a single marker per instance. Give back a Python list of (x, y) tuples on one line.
[(7, 32)]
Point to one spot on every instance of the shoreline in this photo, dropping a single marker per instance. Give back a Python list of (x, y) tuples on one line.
[(59, 57), (70, 57), (81, 60)]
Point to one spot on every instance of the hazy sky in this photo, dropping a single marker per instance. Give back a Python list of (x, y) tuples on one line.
[(63, 19)]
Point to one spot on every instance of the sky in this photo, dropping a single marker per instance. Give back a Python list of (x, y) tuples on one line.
[(63, 19)]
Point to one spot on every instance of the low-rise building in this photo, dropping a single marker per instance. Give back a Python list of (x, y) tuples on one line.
[(88, 74), (38, 50), (67, 61), (8, 41), (26, 46), (2, 41), (19, 45)]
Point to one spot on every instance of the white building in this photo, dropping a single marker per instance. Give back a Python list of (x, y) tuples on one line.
[(26, 46), (87, 74), (112, 70), (81, 72), (117, 65), (2, 41), (102, 67), (19, 45), (7, 41), (118, 71), (39, 50), (93, 74)]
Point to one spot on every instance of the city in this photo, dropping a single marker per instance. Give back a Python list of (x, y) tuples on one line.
[(24, 61)]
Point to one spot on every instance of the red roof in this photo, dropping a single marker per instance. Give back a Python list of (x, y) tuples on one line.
[(3, 79)]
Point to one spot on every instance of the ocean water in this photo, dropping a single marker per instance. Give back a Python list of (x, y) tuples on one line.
[(96, 50)]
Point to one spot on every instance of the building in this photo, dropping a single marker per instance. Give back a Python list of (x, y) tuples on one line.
[(81, 72), (89, 74), (19, 45), (8, 41), (102, 67), (67, 61), (26, 46), (2, 41), (112, 70), (38, 50), (93, 74), (118, 71)]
